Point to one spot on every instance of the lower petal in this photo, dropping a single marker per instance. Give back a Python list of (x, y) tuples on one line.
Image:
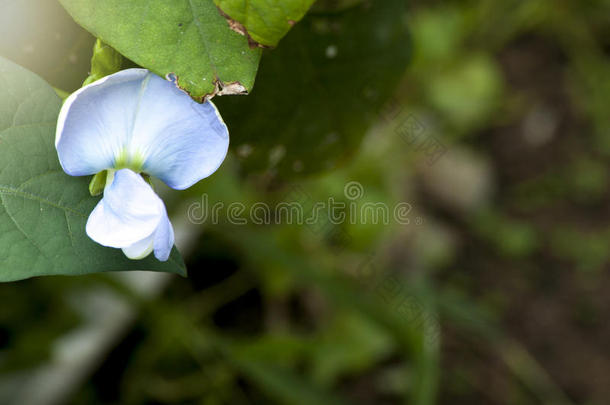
[(129, 212), (141, 249), (164, 239)]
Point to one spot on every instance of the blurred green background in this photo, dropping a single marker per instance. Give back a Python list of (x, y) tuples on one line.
[(488, 119)]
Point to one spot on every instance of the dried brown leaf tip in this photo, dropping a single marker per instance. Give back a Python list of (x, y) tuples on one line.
[(231, 88), (220, 88), (241, 30)]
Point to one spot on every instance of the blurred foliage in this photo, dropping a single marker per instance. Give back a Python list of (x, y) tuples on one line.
[(306, 114), (41, 36), (495, 292)]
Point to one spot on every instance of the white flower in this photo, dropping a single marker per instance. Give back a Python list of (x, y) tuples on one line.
[(135, 122)]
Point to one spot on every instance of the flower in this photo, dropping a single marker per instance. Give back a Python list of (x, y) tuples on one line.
[(135, 122), (132, 217)]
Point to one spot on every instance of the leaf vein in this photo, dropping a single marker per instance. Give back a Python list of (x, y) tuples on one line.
[(14, 220), (16, 192)]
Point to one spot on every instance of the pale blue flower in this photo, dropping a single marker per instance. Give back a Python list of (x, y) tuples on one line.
[(132, 217), (135, 122)]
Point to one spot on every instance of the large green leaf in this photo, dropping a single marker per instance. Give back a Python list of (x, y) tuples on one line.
[(266, 21), (319, 91), (187, 38), (43, 211)]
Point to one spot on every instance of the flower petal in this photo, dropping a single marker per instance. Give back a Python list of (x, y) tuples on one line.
[(95, 122), (129, 212), (182, 141), (164, 239), (138, 120), (141, 249)]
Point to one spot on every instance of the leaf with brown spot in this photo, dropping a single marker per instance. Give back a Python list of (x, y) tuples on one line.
[(188, 38), (264, 22)]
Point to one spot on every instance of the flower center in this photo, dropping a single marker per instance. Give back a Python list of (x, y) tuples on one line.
[(125, 160)]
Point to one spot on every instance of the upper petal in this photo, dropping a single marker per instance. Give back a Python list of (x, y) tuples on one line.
[(136, 119), (96, 122), (182, 141), (129, 212)]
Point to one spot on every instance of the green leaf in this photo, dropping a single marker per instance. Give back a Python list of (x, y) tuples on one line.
[(266, 21), (320, 90), (105, 61), (43, 211), (186, 38)]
